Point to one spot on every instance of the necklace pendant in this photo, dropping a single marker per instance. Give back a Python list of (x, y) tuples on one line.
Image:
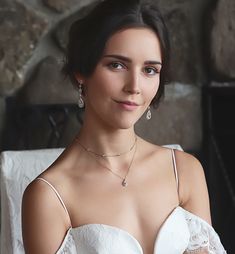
[(124, 183)]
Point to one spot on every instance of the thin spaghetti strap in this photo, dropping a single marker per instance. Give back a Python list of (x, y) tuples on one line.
[(57, 194), (175, 169)]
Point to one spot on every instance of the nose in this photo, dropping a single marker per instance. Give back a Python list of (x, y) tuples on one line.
[(132, 85)]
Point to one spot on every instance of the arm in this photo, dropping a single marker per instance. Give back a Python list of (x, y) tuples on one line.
[(193, 191), (43, 220), (194, 194)]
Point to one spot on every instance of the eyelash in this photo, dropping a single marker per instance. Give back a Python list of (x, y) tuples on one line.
[(113, 64), (156, 71)]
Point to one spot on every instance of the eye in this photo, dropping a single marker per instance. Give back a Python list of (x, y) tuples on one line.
[(116, 65), (151, 70)]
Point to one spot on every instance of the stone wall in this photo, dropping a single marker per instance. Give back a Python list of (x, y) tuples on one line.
[(33, 38)]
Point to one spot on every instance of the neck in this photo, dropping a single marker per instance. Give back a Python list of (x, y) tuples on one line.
[(104, 140), (101, 142)]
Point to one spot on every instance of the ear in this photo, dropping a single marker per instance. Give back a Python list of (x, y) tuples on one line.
[(79, 78)]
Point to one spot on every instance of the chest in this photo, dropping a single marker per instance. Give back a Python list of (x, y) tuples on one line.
[(139, 210), (99, 238)]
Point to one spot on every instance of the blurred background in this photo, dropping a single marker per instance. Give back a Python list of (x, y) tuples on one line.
[(38, 106)]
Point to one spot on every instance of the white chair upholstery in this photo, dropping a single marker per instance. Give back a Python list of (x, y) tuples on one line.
[(18, 169)]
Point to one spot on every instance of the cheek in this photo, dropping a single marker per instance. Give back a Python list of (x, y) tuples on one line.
[(152, 91), (100, 86)]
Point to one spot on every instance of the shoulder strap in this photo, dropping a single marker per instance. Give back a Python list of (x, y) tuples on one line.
[(175, 169), (57, 194)]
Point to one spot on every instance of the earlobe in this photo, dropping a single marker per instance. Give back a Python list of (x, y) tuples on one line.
[(79, 78)]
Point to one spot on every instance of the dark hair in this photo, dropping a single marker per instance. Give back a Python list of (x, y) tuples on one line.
[(88, 36)]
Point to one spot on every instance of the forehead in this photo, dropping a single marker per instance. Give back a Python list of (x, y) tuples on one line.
[(134, 42)]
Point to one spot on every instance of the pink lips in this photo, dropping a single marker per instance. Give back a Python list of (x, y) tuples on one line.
[(128, 105)]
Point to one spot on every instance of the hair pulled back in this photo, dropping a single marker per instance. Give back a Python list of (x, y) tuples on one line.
[(88, 36)]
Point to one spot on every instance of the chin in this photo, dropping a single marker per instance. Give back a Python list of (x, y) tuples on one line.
[(125, 123), (125, 127)]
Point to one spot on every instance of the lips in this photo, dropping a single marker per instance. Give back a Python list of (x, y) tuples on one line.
[(127, 105), (131, 103)]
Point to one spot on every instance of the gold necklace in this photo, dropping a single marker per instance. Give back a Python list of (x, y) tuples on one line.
[(124, 181), (107, 155)]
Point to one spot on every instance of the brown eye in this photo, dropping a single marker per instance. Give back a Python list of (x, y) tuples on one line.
[(116, 65), (151, 70)]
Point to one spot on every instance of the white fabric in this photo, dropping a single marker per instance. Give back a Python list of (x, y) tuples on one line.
[(19, 168), (182, 232)]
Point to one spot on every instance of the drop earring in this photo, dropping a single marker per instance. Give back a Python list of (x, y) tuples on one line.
[(80, 99), (149, 114)]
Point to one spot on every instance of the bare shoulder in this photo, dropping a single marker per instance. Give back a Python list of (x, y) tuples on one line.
[(39, 194), (188, 166), (43, 223), (193, 191)]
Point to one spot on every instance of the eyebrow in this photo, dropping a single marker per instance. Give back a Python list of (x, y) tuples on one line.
[(128, 60)]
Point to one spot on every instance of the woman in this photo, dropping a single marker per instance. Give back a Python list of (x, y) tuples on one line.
[(111, 191)]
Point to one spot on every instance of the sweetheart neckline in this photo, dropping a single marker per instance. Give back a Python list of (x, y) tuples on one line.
[(129, 234), (125, 231)]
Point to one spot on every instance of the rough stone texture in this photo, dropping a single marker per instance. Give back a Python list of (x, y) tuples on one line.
[(183, 19), (223, 39), (49, 86), (20, 31), (177, 120), (169, 3), (61, 32), (182, 58), (61, 5)]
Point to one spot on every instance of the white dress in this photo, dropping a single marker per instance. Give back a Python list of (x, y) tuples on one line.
[(182, 232)]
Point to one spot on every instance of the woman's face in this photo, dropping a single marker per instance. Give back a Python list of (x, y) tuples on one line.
[(125, 79)]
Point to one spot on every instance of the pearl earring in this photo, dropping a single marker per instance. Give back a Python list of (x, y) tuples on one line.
[(149, 114), (80, 99)]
